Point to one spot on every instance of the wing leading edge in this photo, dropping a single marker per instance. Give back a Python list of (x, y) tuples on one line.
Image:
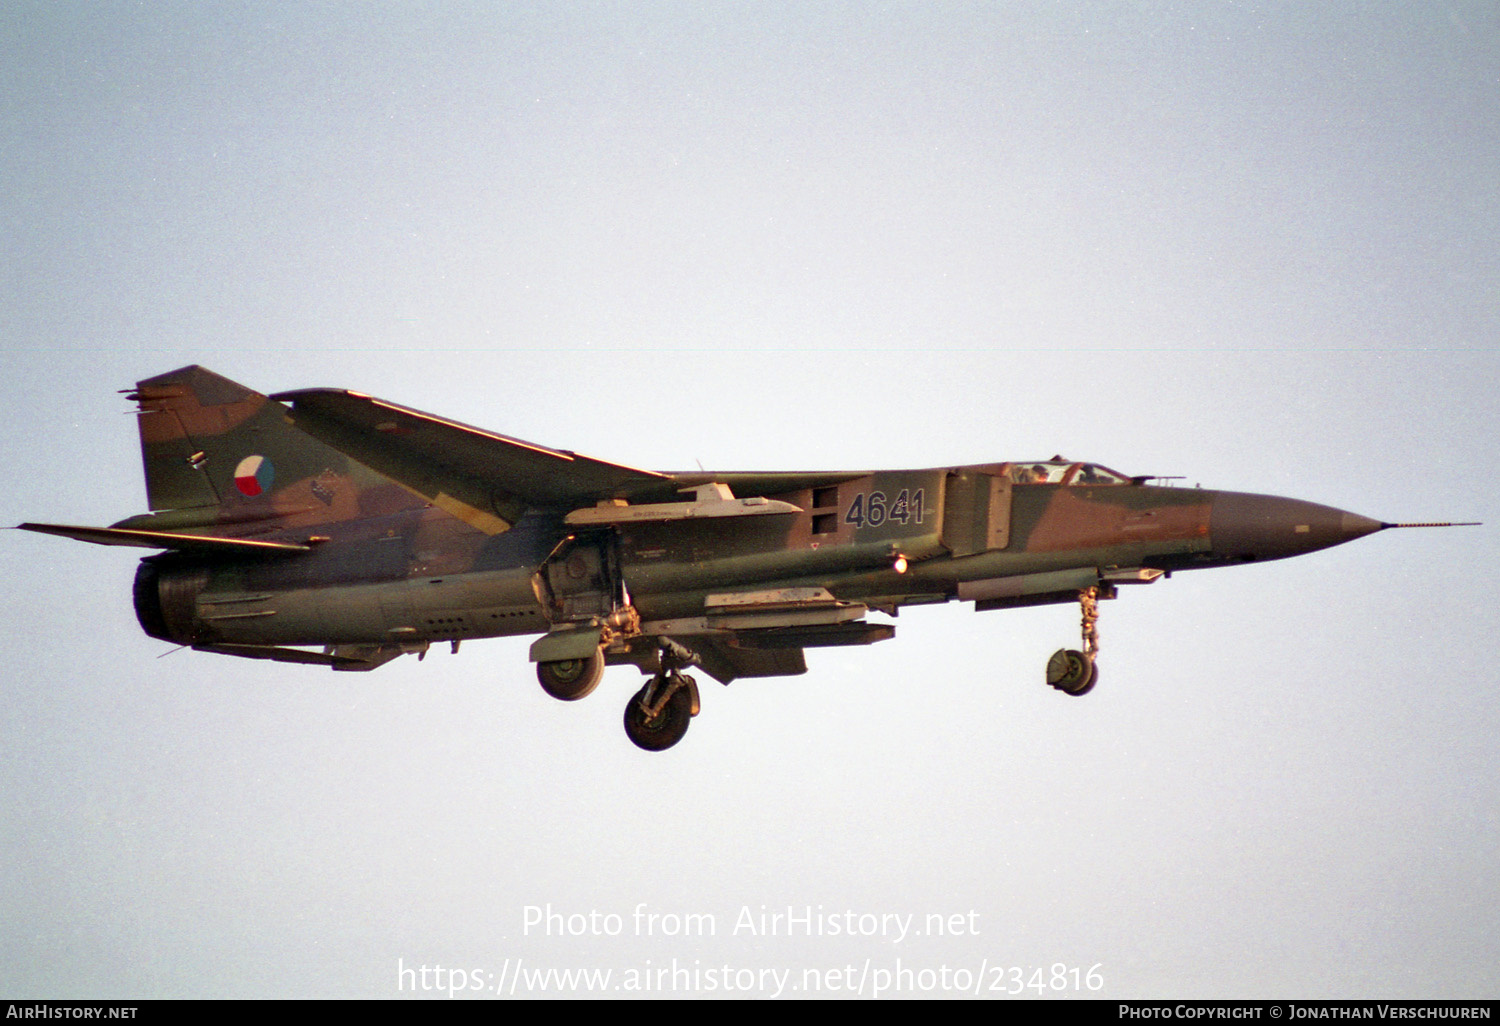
[(489, 479), (483, 478)]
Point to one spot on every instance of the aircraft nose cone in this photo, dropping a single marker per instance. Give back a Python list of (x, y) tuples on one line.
[(1246, 527)]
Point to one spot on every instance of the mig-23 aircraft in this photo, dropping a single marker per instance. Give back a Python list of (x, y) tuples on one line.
[(328, 527)]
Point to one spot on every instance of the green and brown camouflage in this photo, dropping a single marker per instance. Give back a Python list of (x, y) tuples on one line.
[(329, 527)]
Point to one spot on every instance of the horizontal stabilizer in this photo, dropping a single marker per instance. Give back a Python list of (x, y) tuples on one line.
[(366, 657), (198, 543)]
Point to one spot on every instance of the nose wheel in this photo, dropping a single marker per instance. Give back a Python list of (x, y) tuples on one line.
[(1072, 672), (1075, 672)]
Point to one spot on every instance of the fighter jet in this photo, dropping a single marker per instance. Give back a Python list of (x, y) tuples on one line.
[(332, 528)]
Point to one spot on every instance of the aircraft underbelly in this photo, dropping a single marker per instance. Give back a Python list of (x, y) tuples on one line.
[(474, 605)]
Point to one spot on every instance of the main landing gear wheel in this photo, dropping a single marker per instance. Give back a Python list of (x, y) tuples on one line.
[(1072, 672), (659, 714), (568, 680)]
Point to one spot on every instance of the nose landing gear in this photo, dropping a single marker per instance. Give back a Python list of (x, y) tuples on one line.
[(1076, 672)]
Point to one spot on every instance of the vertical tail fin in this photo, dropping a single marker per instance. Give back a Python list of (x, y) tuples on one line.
[(218, 451), (186, 418)]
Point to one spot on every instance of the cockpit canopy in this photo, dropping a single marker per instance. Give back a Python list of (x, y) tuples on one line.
[(1065, 472)]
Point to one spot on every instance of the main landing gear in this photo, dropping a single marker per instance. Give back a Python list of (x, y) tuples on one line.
[(568, 680), (660, 713), (1073, 672), (658, 716)]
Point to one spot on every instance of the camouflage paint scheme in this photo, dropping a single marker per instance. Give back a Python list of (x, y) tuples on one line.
[(328, 527)]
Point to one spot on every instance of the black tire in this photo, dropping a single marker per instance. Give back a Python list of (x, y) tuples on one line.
[(568, 680), (667, 728), (1071, 672), (1089, 684)]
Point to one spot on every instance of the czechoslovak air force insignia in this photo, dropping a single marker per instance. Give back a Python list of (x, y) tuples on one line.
[(254, 475)]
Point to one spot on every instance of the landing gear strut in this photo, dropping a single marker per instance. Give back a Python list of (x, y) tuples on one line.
[(659, 714), (1073, 672)]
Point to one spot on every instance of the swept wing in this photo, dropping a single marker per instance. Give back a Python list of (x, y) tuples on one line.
[(483, 478)]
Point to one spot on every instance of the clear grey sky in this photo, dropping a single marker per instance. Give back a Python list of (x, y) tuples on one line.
[(1254, 244)]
